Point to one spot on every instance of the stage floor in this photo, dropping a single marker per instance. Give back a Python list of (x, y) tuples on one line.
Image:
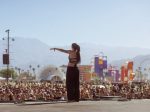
[(83, 106)]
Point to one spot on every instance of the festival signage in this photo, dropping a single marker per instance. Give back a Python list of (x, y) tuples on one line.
[(127, 72), (114, 75), (99, 65)]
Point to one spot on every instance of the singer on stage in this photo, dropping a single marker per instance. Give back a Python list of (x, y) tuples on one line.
[(72, 74)]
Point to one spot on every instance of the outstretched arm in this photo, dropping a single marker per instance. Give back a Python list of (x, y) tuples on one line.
[(61, 50)]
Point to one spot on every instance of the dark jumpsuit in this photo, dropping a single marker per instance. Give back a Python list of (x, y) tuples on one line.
[(72, 80)]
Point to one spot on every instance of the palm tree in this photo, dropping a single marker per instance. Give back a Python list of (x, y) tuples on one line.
[(38, 66), (16, 68), (33, 69), (30, 66), (22, 70), (28, 72), (19, 70)]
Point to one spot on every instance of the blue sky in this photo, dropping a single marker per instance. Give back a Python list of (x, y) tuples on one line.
[(61, 22)]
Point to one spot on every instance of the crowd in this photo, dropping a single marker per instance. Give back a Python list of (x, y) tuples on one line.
[(31, 91), (125, 90), (46, 91)]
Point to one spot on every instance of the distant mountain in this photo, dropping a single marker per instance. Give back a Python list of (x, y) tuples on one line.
[(26, 51), (113, 53), (139, 61)]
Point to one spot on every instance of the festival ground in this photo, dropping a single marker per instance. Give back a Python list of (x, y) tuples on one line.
[(83, 106)]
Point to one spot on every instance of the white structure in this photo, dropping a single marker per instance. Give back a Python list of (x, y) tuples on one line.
[(51, 73), (1, 78)]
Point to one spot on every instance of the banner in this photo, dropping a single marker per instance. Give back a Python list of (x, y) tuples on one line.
[(114, 74), (130, 65), (122, 73), (100, 63), (117, 76), (105, 64), (96, 65)]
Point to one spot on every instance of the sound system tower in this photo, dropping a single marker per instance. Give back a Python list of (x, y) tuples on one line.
[(5, 58)]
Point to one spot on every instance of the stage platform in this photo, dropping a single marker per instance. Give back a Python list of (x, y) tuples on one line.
[(82, 106)]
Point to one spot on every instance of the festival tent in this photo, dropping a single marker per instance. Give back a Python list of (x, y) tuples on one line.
[(2, 78)]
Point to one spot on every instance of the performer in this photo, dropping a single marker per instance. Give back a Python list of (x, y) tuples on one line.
[(72, 74)]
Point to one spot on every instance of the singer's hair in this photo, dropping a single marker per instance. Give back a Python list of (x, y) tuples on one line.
[(76, 47)]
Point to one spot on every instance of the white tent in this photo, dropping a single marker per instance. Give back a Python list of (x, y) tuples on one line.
[(2, 78)]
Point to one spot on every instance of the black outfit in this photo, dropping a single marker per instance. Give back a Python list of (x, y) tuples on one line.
[(72, 82)]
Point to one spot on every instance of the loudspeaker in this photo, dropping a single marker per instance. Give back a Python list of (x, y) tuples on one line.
[(5, 58)]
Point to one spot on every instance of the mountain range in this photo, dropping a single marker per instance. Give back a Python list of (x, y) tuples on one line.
[(27, 51)]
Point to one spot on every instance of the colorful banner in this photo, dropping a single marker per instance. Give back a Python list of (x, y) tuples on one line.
[(127, 72), (114, 74), (100, 63), (105, 64), (100, 74), (130, 65), (122, 73), (117, 76), (96, 65)]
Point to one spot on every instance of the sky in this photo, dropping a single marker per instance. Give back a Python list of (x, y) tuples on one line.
[(61, 22)]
